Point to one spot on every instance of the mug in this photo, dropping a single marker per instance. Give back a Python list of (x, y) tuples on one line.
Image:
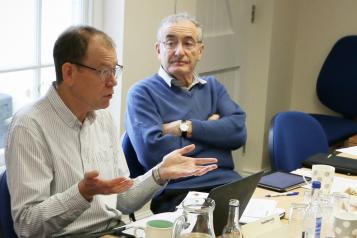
[(158, 229), (345, 225), (324, 174)]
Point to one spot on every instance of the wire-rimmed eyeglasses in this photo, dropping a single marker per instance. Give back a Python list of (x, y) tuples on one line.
[(186, 44), (105, 74)]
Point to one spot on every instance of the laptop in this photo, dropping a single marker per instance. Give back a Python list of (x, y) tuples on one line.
[(242, 190)]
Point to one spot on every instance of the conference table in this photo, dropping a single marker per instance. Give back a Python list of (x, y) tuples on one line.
[(284, 201)]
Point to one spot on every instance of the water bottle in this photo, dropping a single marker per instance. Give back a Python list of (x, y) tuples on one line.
[(232, 229), (313, 214)]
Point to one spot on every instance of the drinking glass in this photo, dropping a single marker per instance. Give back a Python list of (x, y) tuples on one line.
[(296, 219), (341, 202)]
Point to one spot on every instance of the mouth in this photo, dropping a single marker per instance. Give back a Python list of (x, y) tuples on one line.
[(179, 63), (109, 96)]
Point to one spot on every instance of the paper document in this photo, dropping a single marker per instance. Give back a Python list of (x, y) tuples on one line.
[(258, 208), (349, 150), (193, 195), (340, 184)]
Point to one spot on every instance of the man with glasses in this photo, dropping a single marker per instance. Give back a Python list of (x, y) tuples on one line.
[(62, 156), (176, 107)]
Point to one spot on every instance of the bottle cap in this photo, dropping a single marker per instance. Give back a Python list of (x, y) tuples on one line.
[(316, 184), (234, 202)]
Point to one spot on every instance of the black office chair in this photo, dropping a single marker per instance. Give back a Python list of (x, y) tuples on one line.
[(135, 168), (6, 223), (293, 137), (336, 88)]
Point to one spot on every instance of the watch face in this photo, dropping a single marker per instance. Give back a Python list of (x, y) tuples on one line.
[(184, 126)]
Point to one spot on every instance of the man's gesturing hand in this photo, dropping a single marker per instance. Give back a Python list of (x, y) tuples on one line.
[(92, 185), (176, 165)]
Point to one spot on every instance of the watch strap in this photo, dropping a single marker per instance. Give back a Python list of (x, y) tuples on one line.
[(157, 177)]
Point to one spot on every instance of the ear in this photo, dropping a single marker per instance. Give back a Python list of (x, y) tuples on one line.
[(200, 51), (157, 50), (68, 72)]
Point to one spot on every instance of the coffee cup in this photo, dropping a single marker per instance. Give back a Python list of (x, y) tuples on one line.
[(345, 225), (158, 229), (324, 174)]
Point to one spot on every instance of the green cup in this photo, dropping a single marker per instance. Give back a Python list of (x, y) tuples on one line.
[(158, 229)]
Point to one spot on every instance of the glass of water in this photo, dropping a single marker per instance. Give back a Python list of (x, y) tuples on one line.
[(296, 219)]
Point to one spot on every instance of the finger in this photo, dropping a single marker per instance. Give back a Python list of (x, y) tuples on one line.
[(120, 181), (123, 187), (186, 149), (111, 188), (201, 161), (206, 170)]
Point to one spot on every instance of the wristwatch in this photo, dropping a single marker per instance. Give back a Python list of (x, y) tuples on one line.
[(184, 128), (157, 177)]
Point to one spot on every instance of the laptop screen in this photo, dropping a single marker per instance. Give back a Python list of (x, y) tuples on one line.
[(241, 189)]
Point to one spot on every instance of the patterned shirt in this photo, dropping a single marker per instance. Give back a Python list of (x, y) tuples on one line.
[(48, 151)]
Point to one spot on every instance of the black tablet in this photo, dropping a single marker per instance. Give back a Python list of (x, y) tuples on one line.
[(282, 181)]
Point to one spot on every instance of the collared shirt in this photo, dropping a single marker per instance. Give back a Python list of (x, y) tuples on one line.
[(170, 80), (48, 151)]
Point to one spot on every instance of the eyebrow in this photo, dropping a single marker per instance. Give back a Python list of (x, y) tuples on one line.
[(103, 65), (184, 38)]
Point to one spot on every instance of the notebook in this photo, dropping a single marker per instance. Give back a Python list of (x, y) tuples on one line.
[(342, 164), (282, 181), (242, 190)]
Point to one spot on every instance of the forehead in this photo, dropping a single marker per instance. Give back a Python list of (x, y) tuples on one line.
[(101, 51), (183, 29)]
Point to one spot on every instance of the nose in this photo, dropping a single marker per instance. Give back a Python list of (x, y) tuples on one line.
[(111, 81), (179, 50)]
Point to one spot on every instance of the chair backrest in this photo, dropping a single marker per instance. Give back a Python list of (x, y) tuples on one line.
[(6, 224), (293, 137), (336, 84), (135, 168)]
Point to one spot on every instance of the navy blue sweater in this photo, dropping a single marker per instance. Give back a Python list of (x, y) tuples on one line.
[(151, 103)]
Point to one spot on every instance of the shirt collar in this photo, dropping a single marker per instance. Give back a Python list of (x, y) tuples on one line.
[(169, 80), (63, 111)]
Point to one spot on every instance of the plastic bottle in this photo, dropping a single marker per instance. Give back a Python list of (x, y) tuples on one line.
[(232, 229), (313, 215)]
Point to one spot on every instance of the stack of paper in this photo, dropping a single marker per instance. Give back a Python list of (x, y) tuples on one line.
[(260, 208)]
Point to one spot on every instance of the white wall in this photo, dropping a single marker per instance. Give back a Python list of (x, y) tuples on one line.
[(320, 24), (298, 35), (141, 22)]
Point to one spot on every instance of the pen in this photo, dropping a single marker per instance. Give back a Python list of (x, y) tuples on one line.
[(282, 194)]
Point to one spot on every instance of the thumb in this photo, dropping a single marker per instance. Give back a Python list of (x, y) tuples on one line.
[(91, 174), (186, 149)]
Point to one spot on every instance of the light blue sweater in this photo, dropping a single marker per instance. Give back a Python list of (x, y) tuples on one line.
[(151, 103)]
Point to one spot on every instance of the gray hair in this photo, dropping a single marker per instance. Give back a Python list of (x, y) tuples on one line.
[(176, 18)]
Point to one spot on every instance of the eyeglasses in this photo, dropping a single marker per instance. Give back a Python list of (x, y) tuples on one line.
[(105, 74), (186, 44)]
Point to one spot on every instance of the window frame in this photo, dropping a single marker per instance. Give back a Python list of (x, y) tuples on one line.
[(87, 7)]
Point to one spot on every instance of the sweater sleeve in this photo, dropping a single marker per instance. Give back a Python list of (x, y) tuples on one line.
[(229, 132), (144, 126)]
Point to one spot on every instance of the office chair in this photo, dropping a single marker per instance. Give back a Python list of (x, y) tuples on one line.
[(135, 168), (336, 88), (6, 223), (293, 137)]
